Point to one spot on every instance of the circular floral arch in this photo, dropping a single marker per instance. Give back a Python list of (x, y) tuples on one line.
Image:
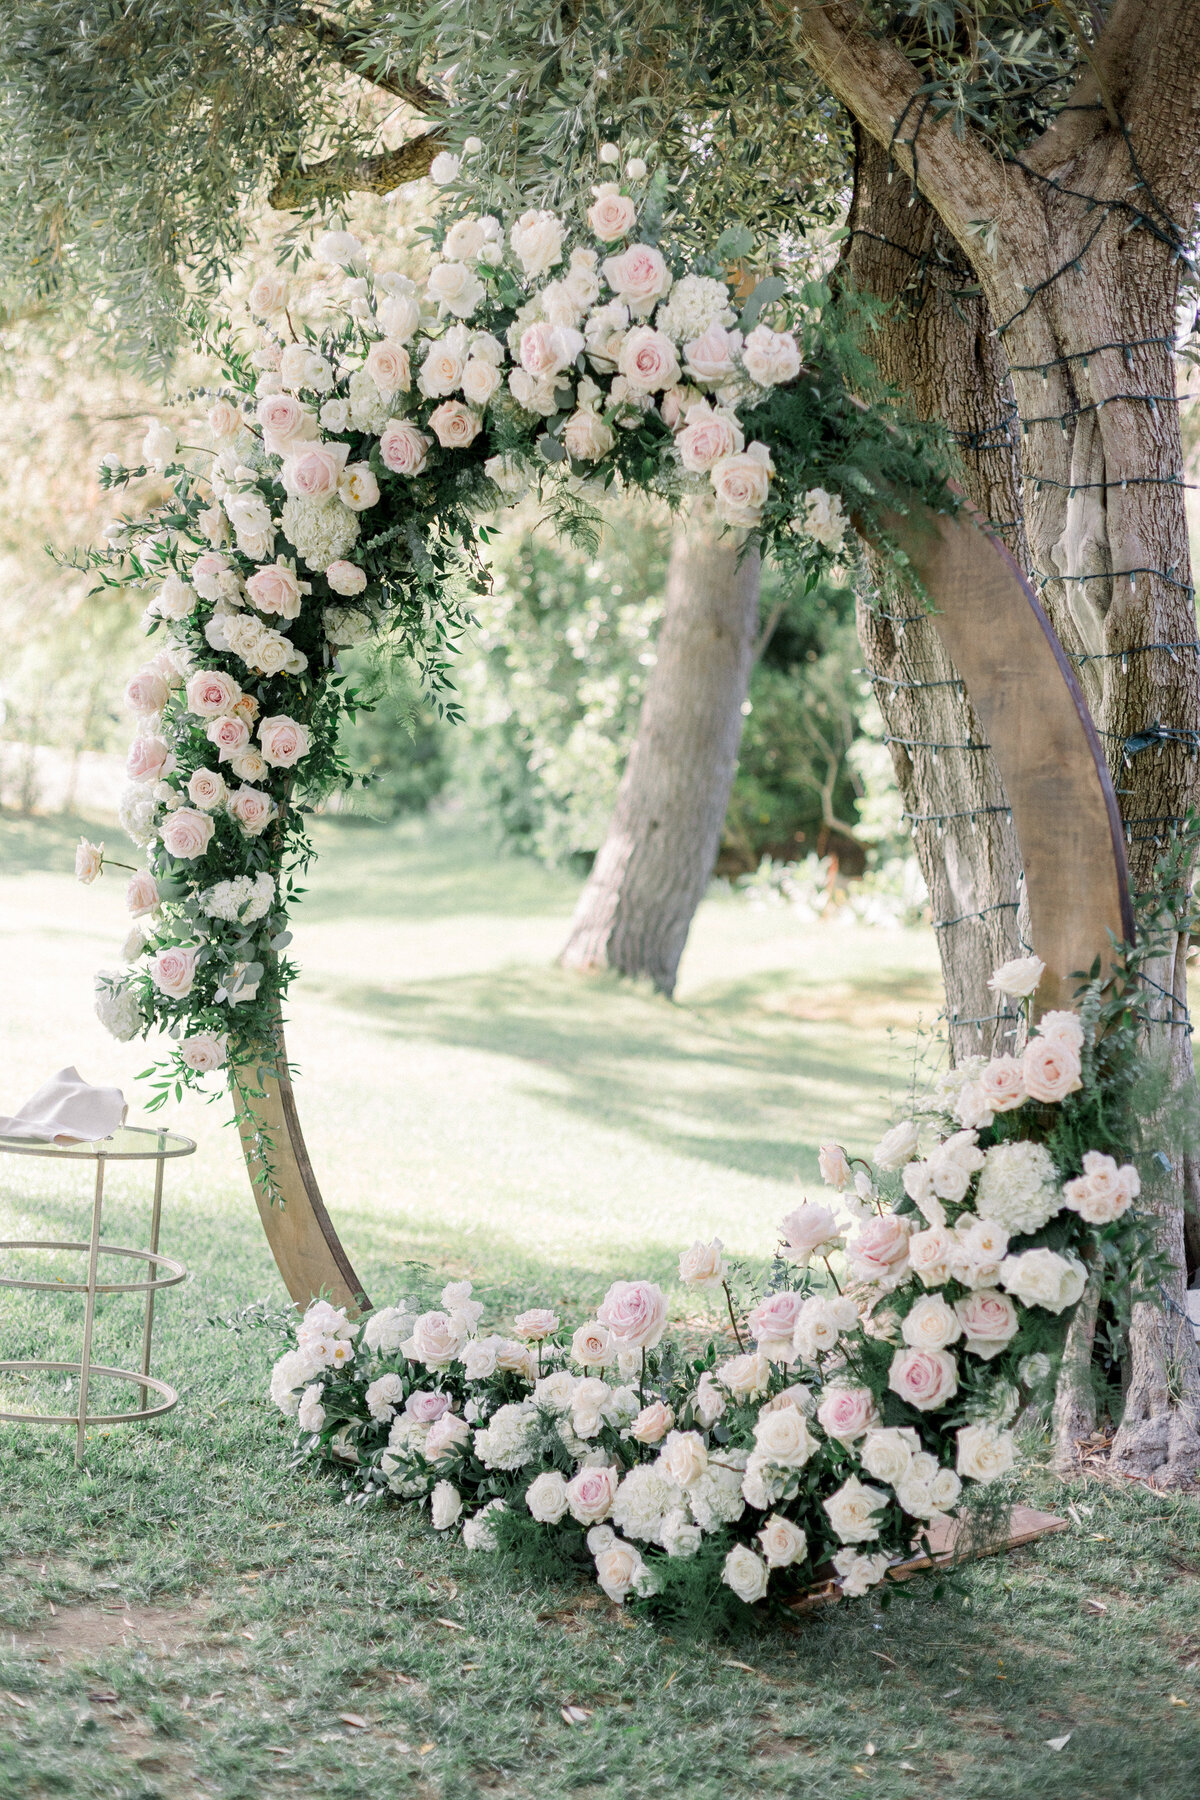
[(351, 460)]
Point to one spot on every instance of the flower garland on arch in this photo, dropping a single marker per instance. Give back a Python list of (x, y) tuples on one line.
[(339, 498), (849, 1420)]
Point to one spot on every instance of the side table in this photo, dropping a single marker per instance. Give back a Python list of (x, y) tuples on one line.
[(131, 1143)]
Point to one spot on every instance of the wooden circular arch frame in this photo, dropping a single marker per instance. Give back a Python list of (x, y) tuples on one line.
[(1063, 806)]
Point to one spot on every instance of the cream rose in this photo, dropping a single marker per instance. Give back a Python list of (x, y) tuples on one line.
[(586, 437), (703, 1265), (537, 241), (886, 1454), (1003, 1084), (389, 368), (709, 359), (929, 1255), (546, 1497), (708, 438), (399, 314), (1104, 1191), (984, 1453), (1062, 1027), (772, 1323), (770, 357), (547, 350), (537, 1323), (173, 970), (635, 1313), (652, 1423), (204, 1051), (930, 1324), (346, 578), (746, 1574), (925, 1378), (148, 759), (229, 733), (1018, 978), (454, 425), (782, 1542), (480, 380), (210, 692), (809, 1228), (782, 1437), (744, 1376), (186, 833), (313, 471), (267, 295), (638, 277), (989, 1320), (436, 1340), (619, 1570), (403, 448), (847, 1413), (445, 1504), (853, 1510), (89, 861), (1043, 1278), (592, 1343), (683, 1458), (1051, 1069), (252, 809), (612, 214), (896, 1146), (146, 692), (590, 1495), (206, 788), (284, 741)]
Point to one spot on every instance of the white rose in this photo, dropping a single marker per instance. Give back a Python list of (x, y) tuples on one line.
[(860, 1573), (1018, 978), (770, 357), (782, 1542), (782, 1437), (852, 1510), (446, 1504), (886, 1454), (1043, 1278), (703, 1265), (586, 437), (683, 1458), (620, 1571), (444, 169), (746, 1574), (159, 446), (931, 1324), (546, 1497), (480, 380), (984, 1453), (897, 1146)]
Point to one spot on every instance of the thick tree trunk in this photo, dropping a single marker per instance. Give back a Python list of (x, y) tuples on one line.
[(937, 345), (655, 863), (1077, 246)]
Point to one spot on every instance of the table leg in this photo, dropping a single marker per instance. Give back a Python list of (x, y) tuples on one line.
[(155, 1217), (89, 1310)]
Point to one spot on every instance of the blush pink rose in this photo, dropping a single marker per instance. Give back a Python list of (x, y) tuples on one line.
[(146, 692), (808, 1228), (389, 368), (835, 1168), (206, 788), (141, 893), (252, 809), (224, 420), (612, 215), (1002, 1083), (547, 350), (709, 359), (591, 1494), (230, 733), (648, 360), (204, 1051), (706, 438), (925, 1378), (880, 1250), (403, 448), (425, 1406), (454, 425), (149, 757), (186, 833), (275, 589), (283, 741), (313, 471), (635, 1313), (1051, 1068), (638, 276), (741, 484), (285, 423), (211, 692), (773, 1321), (989, 1320), (847, 1413), (174, 970)]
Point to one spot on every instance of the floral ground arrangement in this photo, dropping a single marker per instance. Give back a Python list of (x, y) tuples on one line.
[(375, 412), (848, 1420)]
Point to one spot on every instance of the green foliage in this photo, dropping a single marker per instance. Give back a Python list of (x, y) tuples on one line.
[(394, 745)]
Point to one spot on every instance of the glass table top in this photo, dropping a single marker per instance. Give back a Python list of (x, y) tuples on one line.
[(129, 1143)]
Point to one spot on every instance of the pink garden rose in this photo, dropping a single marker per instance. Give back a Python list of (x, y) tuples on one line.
[(346, 577), (880, 1250), (284, 741), (847, 1413), (709, 359), (929, 1255), (612, 215), (211, 692), (206, 788), (535, 1324), (835, 1168), (285, 423), (741, 484), (425, 1406), (224, 420), (1051, 1068), (313, 471), (204, 1051), (648, 361), (591, 1494), (638, 276), (186, 833), (1104, 1191), (773, 1321), (546, 350), (925, 1378), (174, 970), (770, 357), (230, 733), (141, 893), (989, 1320), (403, 448), (635, 1313), (252, 809), (275, 589), (388, 366), (809, 1228), (1002, 1082), (707, 437), (454, 425), (147, 691), (149, 757)]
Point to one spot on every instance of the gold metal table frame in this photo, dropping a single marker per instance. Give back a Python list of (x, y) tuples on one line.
[(130, 1143)]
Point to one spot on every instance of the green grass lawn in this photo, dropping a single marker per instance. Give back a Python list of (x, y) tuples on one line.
[(188, 1617)]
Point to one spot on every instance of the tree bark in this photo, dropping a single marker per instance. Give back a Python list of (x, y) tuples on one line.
[(1077, 246), (656, 861), (936, 343)]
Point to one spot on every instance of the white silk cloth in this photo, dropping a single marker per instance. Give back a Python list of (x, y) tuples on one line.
[(67, 1110)]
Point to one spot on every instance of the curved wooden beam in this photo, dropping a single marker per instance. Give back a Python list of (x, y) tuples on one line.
[(1064, 812), (1021, 684)]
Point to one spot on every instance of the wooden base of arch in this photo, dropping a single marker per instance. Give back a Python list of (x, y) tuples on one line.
[(1064, 812)]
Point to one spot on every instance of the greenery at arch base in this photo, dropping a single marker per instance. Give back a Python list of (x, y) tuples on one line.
[(364, 432)]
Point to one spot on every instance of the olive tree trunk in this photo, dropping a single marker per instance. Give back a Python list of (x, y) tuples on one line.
[(658, 856), (1077, 246)]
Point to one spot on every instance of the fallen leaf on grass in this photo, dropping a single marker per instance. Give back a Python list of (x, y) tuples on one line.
[(450, 1624), (247, 1634), (408, 1680), (869, 1750), (858, 1768), (103, 1699), (424, 1749), (23, 1704), (355, 1719), (909, 1768), (1095, 1606), (1174, 1700), (1058, 1743), (575, 1715), (730, 1664), (670, 1679)]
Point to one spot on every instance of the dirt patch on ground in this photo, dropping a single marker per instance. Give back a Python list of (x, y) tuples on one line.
[(73, 1633)]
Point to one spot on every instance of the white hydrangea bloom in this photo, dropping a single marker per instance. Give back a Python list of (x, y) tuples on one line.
[(116, 1006), (716, 1498), (696, 302), (386, 1330), (644, 1499), (322, 533), (1018, 1187), (509, 1440), (136, 812), (241, 900)]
